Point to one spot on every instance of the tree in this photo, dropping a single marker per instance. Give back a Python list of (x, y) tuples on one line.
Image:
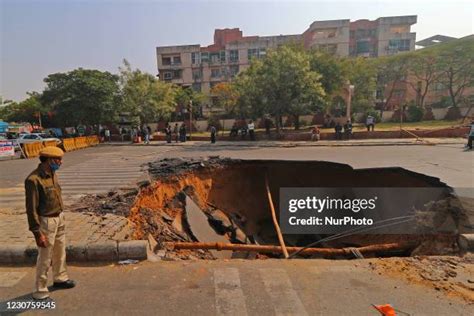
[(145, 96), (362, 74), (27, 110), (456, 69), (226, 95), (183, 97), (82, 96), (391, 71), (283, 84), (331, 69), (423, 68)]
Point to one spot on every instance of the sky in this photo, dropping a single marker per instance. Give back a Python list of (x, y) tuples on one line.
[(38, 38)]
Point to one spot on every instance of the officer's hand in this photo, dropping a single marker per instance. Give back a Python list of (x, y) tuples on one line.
[(41, 241)]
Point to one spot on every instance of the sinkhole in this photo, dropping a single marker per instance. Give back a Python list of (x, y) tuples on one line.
[(215, 200)]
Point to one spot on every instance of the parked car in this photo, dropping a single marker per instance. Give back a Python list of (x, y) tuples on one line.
[(36, 137)]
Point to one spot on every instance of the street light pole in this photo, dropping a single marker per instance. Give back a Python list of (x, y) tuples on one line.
[(190, 118), (350, 89)]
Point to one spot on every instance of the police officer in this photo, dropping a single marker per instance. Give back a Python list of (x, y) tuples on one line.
[(44, 207)]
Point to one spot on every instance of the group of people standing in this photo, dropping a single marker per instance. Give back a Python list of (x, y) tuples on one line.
[(178, 133)]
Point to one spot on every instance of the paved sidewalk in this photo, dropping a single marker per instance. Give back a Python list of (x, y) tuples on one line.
[(80, 228), (84, 233)]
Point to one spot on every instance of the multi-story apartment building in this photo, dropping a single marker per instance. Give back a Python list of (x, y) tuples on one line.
[(201, 68)]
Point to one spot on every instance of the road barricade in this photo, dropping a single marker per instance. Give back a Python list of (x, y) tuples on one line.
[(69, 144), (80, 142), (93, 140), (31, 150), (50, 143)]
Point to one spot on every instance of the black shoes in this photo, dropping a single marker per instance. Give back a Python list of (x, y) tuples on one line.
[(69, 284)]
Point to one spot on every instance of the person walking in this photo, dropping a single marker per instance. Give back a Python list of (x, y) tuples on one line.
[(348, 129), (182, 133), (338, 130), (176, 132), (44, 209), (470, 137), (146, 134), (107, 134), (251, 129), (213, 134), (168, 134)]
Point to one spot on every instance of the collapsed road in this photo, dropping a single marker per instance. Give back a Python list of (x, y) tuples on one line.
[(217, 201)]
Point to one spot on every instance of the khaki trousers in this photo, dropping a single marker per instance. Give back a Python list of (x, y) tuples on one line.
[(55, 254)]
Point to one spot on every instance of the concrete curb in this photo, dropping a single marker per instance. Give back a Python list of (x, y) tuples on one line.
[(109, 251)]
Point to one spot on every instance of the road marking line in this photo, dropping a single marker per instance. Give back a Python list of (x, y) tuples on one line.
[(9, 279), (229, 296), (284, 298)]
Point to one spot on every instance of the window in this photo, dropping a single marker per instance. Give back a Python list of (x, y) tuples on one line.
[(215, 72), (166, 61), (205, 57), (329, 48), (195, 58), (177, 74), (217, 57), (234, 56), (399, 44), (197, 74), (234, 70), (196, 87), (262, 52), (399, 29), (213, 84), (176, 60), (167, 76), (252, 52), (362, 47)]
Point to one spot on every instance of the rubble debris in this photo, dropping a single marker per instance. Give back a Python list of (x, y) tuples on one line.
[(200, 228), (116, 202)]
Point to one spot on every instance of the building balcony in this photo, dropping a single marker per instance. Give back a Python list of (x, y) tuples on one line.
[(171, 66)]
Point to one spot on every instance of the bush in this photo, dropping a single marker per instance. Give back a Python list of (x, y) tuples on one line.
[(415, 113)]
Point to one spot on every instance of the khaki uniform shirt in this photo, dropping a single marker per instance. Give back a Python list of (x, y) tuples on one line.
[(43, 196)]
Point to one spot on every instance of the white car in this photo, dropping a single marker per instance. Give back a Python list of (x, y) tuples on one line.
[(36, 137)]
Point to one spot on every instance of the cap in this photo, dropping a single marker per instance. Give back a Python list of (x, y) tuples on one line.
[(51, 152)]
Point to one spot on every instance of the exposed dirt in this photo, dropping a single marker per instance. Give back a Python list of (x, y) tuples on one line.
[(453, 276)]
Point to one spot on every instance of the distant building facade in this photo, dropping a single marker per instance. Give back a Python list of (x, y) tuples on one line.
[(201, 68)]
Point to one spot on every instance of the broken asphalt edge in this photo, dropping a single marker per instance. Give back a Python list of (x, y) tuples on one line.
[(108, 251)]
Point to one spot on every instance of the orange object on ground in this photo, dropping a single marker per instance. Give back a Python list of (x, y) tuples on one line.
[(385, 310)]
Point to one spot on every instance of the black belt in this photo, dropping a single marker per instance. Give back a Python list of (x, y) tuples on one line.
[(51, 215)]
